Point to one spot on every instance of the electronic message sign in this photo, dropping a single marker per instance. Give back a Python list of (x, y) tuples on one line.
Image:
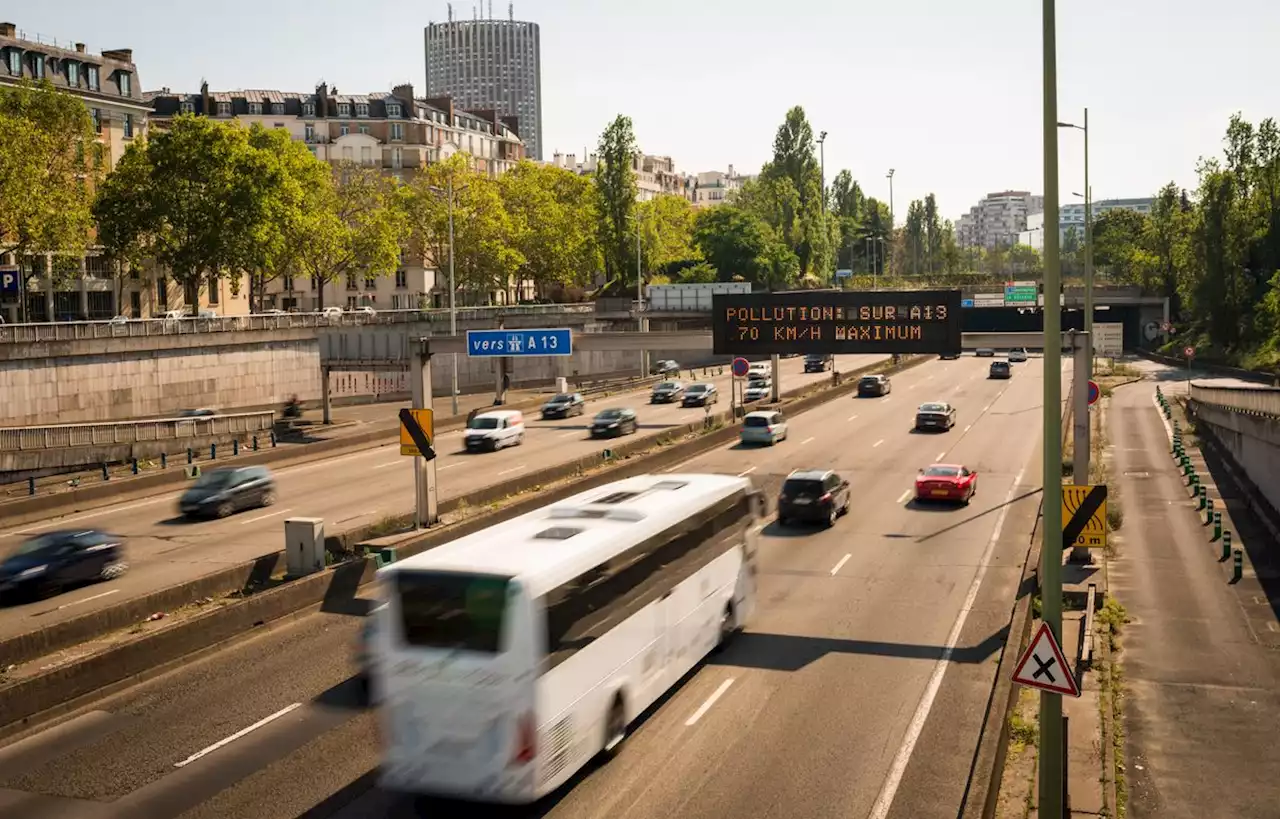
[(882, 321)]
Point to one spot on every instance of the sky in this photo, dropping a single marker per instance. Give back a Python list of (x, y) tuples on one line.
[(948, 93)]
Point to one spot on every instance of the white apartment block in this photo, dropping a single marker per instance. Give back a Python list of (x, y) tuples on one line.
[(655, 175), (997, 219), (716, 187)]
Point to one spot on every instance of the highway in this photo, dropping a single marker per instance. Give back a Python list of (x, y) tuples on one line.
[(858, 690), (346, 491)]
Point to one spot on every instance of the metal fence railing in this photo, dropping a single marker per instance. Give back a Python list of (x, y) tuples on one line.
[(1256, 400), (65, 436), (79, 330)]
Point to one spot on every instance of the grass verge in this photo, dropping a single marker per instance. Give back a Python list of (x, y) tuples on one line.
[(1110, 623)]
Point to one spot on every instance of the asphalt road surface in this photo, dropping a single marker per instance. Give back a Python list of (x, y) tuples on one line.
[(346, 491), (859, 689)]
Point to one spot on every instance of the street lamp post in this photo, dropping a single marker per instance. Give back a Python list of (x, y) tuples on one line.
[(453, 307), (1088, 237), (822, 166), (890, 175)]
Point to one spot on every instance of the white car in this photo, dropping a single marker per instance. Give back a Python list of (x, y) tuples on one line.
[(494, 430), (365, 310), (331, 312), (758, 389), (765, 427), (760, 368)]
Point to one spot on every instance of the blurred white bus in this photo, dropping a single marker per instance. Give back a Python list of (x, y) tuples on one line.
[(505, 660)]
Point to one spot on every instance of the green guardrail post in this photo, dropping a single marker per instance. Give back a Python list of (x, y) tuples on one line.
[(255, 443), (1202, 495), (1237, 566), (1217, 527), (235, 447), (135, 466), (213, 452), (273, 438), (31, 486), (1226, 545), (1208, 511), (106, 476), (164, 460)]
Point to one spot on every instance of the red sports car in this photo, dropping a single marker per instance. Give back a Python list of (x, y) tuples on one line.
[(946, 482)]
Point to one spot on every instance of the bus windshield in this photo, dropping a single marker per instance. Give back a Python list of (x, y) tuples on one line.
[(452, 611)]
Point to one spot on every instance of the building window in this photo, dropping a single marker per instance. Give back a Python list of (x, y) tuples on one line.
[(277, 107), (366, 155), (255, 108), (370, 282), (135, 304), (96, 115), (397, 158), (91, 72), (402, 279), (288, 283), (351, 281), (393, 109), (344, 109), (364, 129), (344, 129), (15, 62), (73, 74), (191, 292), (397, 132), (128, 126), (346, 154), (162, 292), (315, 282), (362, 109), (188, 107), (125, 81), (308, 109), (277, 125), (309, 132), (37, 66), (352, 302), (224, 109), (215, 292)]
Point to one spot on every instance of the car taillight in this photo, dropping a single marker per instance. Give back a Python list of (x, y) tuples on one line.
[(825, 498), (526, 740)]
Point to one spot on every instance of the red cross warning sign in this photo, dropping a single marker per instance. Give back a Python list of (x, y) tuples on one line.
[(1043, 666)]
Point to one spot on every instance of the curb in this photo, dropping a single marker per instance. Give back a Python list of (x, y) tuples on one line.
[(334, 587)]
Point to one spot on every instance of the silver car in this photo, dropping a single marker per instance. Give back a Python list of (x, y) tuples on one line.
[(764, 427)]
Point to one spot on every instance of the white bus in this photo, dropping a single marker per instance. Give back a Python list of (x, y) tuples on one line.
[(503, 661)]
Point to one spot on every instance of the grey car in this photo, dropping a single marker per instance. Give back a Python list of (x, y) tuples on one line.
[(935, 415), (219, 493), (666, 392), (614, 422), (564, 405)]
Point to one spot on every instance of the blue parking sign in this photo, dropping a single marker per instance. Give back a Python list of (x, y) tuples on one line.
[(9, 279)]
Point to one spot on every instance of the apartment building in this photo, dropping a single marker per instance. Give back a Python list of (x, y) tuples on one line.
[(397, 132), (997, 219), (1071, 217), (107, 83), (655, 175), (715, 187)]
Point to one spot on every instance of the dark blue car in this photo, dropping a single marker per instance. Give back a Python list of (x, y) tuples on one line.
[(51, 561)]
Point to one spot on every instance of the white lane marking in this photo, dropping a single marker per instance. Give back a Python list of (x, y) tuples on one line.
[(805, 441), (852, 418), (840, 565), (711, 700), (880, 809), (744, 473), (449, 466), (512, 469), (109, 510), (987, 407), (905, 495), (969, 427), (877, 443), (86, 600), (227, 741), (389, 463), (264, 517), (940, 454)]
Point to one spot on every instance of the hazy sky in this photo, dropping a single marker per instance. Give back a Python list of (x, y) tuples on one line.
[(947, 92)]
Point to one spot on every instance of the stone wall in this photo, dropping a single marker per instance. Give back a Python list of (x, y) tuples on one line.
[(1254, 444)]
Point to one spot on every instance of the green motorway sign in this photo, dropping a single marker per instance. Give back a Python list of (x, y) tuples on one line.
[(1020, 294)]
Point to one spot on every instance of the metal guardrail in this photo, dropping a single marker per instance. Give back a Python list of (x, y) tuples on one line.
[(1254, 400), (82, 330), (65, 436)]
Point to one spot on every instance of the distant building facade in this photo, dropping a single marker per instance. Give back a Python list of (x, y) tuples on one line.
[(489, 64), (997, 220), (655, 175), (712, 188), (1071, 217)]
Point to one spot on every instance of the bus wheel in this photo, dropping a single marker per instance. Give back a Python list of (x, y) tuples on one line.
[(615, 728), (727, 627)]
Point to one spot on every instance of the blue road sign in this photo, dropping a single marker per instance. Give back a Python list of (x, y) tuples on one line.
[(9, 279), (966, 302), (1093, 392), (844, 274), (741, 367), (519, 343)]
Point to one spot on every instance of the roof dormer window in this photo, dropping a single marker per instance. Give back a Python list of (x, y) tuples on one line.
[(255, 108), (14, 61), (125, 80), (37, 66), (308, 109), (188, 107), (362, 109), (277, 107), (393, 109), (224, 109), (91, 74), (344, 109), (73, 74)]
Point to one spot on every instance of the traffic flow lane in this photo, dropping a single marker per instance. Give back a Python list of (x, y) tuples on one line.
[(356, 489)]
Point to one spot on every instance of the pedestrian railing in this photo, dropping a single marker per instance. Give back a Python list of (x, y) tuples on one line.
[(65, 436), (1255, 400)]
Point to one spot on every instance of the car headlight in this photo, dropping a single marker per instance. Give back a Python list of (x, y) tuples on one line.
[(32, 572)]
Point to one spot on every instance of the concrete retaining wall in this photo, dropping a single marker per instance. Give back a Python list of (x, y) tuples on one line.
[(1253, 442)]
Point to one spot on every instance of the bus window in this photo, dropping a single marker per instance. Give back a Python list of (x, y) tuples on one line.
[(452, 611)]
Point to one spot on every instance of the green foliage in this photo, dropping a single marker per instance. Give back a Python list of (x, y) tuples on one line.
[(553, 218), (700, 273), (741, 247), (616, 189), (666, 231), (49, 162)]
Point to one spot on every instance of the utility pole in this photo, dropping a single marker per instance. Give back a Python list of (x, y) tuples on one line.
[(1088, 236), (890, 175), (822, 167), (1051, 785)]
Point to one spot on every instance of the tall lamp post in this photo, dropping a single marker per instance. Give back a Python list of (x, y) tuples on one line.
[(453, 307), (1088, 236), (822, 166), (890, 176)]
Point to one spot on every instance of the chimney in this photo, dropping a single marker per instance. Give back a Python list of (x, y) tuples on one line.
[(730, 170), (8, 30), (206, 104), (121, 55), (404, 93), (79, 48), (322, 100), (444, 103), (512, 122)]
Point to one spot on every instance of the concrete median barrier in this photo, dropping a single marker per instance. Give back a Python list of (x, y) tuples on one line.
[(333, 589)]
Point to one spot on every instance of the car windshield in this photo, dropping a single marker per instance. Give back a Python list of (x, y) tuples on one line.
[(562, 398), (1000, 365), (40, 543), (942, 472), (870, 379), (757, 421), (698, 388), (215, 480), (609, 415), (802, 487), (666, 385), (933, 407), (483, 423)]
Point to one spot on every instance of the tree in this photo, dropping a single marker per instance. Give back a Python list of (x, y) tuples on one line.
[(1118, 237), (798, 217), (616, 187), (49, 163), (846, 208), (553, 217), (123, 213), (738, 244), (666, 231)]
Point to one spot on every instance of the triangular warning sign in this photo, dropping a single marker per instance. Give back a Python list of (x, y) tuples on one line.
[(1043, 666)]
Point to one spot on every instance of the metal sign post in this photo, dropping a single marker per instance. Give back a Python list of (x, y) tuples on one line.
[(1082, 346), (425, 510)]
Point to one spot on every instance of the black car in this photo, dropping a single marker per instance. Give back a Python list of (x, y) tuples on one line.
[(813, 495), (985, 352), (666, 392), (874, 385), (699, 395), (665, 367), (949, 356), (1000, 369), (220, 492), (48, 562), (935, 415), (818, 363), (564, 405), (614, 422)]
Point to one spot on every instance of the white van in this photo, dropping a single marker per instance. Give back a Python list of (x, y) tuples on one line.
[(331, 312), (494, 430)]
